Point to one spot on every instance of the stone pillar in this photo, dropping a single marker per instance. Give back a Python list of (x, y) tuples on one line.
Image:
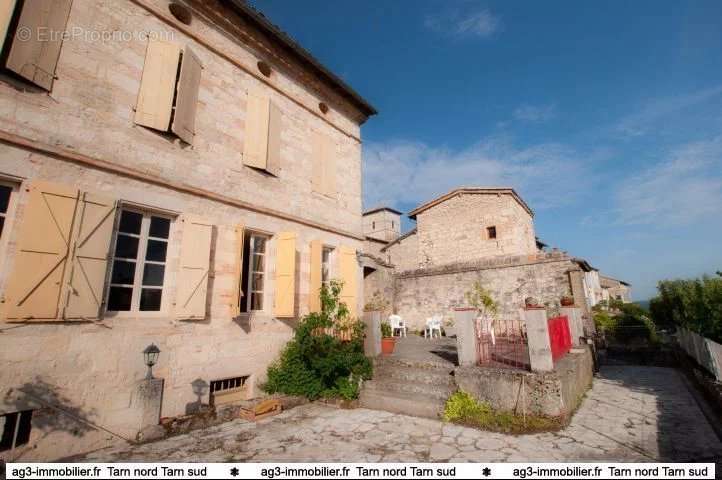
[(576, 323), (465, 321), (372, 342), (540, 350), (147, 402)]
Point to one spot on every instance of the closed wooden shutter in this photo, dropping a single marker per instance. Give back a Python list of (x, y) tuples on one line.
[(36, 57), (34, 287), (237, 287), (323, 169), (184, 120), (314, 287), (7, 7), (255, 142), (348, 267), (285, 295), (157, 86), (194, 266), (273, 162), (89, 257)]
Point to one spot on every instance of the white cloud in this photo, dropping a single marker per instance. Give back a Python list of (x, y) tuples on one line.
[(684, 188), (641, 122), (546, 175), (535, 113), (479, 23)]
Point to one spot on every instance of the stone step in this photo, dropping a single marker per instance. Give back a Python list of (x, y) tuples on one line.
[(439, 367), (409, 374), (403, 403), (422, 391)]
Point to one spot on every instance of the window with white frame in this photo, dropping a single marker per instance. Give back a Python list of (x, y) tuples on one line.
[(326, 265), (139, 262), (254, 271)]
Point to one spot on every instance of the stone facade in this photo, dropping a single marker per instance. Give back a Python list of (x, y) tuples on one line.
[(403, 253), (458, 229), (382, 224), (81, 377), (613, 289)]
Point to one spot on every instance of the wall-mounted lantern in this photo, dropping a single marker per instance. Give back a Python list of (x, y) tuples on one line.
[(150, 354)]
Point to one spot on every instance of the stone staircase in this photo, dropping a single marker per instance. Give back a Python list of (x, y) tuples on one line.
[(417, 388)]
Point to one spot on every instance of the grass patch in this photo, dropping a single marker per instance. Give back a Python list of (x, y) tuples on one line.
[(464, 409)]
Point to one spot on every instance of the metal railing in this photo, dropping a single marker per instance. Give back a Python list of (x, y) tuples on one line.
[(502, 344)]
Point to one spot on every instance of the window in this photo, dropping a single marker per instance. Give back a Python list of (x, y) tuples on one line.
[(254, 268), (139, 261), (373, 225), (29, 38), (228, 390), (16, 428), (491, 233), (393, 224), (6, 192), (326, 265)]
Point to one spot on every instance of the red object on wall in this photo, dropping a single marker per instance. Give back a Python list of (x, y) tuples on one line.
[(559, 336)]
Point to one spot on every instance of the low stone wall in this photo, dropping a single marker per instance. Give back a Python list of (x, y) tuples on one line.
[(553, 394)]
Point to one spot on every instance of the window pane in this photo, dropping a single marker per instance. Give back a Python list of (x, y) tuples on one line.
[(123, 272), (156, 250), (126, 247), (24, 426), (324, 273), (259, 244), (5, 192), (150, 299), (2, 225), (119, 299), (257, 263), (153, 275), (159, 227), (257, 282), (130, 222), (8, 433), (257, 301)]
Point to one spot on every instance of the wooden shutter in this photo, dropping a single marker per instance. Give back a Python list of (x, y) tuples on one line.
[(255, 142), (7, 7), (238, 288), (314, 286), (348, 267), (34, 287), (184, 120), (36, 57), (323, 165), (285, 295), (194, 266), (89, 257), (273, 162), (157, 86)]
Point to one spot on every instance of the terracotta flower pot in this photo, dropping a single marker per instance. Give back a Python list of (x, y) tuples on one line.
[(387, 345), (566, 301)]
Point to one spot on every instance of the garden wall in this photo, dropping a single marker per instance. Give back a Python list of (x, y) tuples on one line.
[(705, 352)]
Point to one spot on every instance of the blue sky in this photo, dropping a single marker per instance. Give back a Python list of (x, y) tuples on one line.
[(605, 116)]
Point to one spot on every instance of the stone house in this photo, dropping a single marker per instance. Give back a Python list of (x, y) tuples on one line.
[(176, 173), (615, 289), (468, 235)]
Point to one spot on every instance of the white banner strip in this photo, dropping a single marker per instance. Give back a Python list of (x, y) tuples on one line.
[(358, 470)]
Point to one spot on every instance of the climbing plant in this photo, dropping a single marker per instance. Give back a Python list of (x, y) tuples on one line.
[(326, 357)]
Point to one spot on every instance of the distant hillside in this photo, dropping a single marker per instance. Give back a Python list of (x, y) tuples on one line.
[(643, 303)]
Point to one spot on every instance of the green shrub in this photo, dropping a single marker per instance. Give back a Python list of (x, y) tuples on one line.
[(386, 330), (464, 409), (317, 364), (694, 304)]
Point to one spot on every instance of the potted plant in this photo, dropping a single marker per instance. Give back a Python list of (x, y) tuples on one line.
[(388, 341), (449, 327), (567, 301), (531, 302)]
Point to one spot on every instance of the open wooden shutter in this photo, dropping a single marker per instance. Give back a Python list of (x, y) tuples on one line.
[(7, 7), (285, 295), (255, 143), (157, 86), (184, 120), (36, 57), (238, 288), (89, 257), (34, 287), (273, 162), (194, 266), (348, 267), (314, 286)]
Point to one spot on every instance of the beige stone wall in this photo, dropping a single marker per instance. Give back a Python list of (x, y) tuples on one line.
[(404, 254), (456, 229), (419, 295), (383, 225), (374, 247), (92, 368)]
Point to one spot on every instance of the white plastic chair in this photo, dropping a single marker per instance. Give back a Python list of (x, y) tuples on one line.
[(397, 323), (433, 324), (485, 326)]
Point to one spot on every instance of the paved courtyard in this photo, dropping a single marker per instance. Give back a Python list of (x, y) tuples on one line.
[(631, 414)]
